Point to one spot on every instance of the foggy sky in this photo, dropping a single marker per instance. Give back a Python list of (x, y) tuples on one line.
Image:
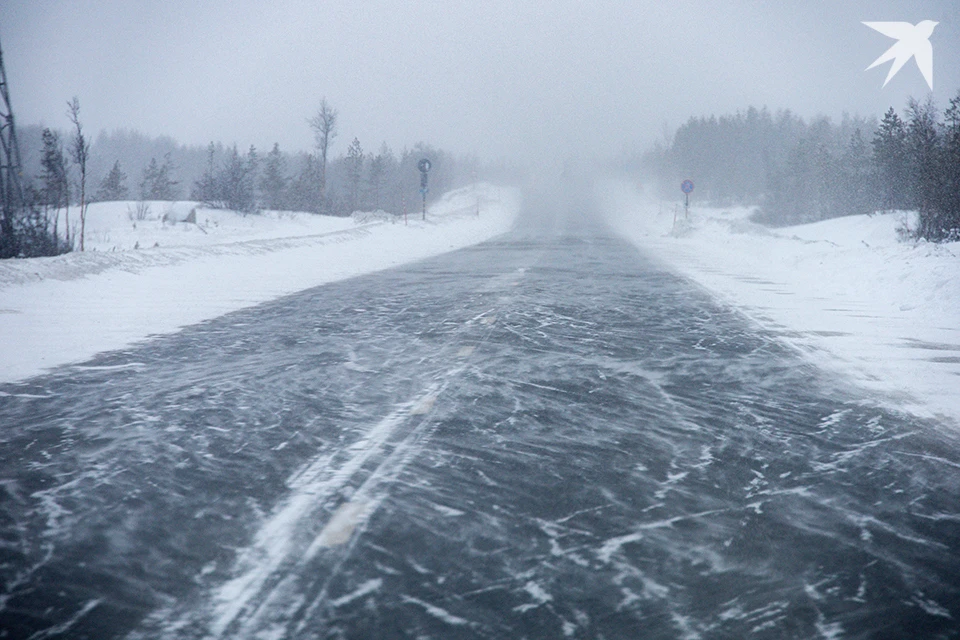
[(493, 77)]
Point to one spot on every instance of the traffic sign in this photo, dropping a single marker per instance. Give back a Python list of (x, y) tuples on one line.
[(424, 166), (686, 186)]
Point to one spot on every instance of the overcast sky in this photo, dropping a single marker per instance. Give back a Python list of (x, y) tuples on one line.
[(491, 77)]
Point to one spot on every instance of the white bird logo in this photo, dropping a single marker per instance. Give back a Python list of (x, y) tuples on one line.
[(912, 42)]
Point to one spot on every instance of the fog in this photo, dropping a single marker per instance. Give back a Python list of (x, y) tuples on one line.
[(499, 79)]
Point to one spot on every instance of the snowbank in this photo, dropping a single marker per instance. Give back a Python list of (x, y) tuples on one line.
[(65, 309), (844, 292)]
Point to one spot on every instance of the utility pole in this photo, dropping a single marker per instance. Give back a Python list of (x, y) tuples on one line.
[(10, 171)]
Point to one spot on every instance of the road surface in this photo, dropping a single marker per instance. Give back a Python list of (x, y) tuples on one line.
[(547, 435)]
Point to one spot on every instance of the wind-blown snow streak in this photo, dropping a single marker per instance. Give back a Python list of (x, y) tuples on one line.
[(263, 592), (274, 542)]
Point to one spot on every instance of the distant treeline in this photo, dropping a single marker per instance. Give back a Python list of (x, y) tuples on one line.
[(128, 165), (63, 171), (799, 171)]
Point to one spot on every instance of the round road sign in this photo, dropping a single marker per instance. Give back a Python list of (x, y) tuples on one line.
[(424, 165), (686, 186)]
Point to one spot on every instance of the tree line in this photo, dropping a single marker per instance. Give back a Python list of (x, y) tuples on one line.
[(358, 180), (799, 171), (63, 173)]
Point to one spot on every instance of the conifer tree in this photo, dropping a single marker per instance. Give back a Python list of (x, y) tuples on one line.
[(114, 185), (273, 183), (55, 181), (158, 183), (890, 159), (354, 173)]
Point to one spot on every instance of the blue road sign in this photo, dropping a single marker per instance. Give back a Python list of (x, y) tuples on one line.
[(686, 186)]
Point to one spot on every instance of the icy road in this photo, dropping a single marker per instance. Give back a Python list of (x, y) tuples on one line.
[(543, 436)]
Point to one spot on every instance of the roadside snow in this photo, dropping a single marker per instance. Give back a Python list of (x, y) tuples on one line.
[(844, 292), (65, 309), (114, 225)]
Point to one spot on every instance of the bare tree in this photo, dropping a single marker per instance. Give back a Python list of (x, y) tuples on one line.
[(79, 152), (324, 126)]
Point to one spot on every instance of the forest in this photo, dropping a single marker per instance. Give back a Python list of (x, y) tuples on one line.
[(801, 171)]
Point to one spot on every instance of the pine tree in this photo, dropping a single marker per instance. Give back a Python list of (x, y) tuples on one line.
[(923, 156), (205, 189), (55, 180), (236, 181), (950, 194), (354, 173), (113, 187), (253, 172), (273, 184), (157, 183), (305, 193), (857, 184), (378, 176), (890, 159)]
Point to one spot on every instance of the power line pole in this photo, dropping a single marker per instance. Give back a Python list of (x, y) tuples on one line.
[(11, 189)]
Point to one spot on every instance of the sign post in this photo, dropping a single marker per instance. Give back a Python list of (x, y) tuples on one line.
[(687, 187), (424, 166)]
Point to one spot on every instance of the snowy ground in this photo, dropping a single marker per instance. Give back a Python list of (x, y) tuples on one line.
[(844, 292), (149, 271)]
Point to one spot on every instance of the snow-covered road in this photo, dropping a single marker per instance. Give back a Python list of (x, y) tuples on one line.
[(545, 435)]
